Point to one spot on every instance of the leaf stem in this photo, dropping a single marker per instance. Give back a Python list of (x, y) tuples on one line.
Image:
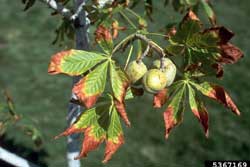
[(144, 54), (128, 20), (133, 13), (129, 56), (156, 34)]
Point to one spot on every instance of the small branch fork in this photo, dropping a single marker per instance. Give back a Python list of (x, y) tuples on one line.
[(65, 12), (58, 7), (142, 37)]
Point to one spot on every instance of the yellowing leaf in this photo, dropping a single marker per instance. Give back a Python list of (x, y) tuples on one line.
[(119, 82), (89, 88), (115, 136), (73, 62), (104, 38), (120, 106), (160, 98), (217, 93), (98, 124), (198, 109), (173, 114)]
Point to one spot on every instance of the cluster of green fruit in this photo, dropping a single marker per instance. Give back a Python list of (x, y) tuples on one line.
[(155, 79)]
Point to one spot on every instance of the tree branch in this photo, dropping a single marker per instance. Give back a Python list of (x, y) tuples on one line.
[(78, 11), (58, 7), (14, 159), (143, 38)]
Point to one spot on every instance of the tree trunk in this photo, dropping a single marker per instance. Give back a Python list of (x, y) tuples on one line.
[(73, 141)]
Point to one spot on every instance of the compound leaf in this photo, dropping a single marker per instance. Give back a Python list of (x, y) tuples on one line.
[(98, 124), (186, 30)]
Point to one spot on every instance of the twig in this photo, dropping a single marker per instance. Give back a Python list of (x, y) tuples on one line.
[(142, 37), (157, 34), (152, 44), (144, 54)]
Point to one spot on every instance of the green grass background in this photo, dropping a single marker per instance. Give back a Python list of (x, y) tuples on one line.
[(25, 49)]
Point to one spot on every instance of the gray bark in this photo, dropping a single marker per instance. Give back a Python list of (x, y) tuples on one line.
[(58, 7), (73, 141)]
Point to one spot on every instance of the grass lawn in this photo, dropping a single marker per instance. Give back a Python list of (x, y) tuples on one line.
[(25, 49)]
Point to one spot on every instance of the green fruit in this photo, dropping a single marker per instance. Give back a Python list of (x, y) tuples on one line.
[(169, 69), (136, 70), (154, 80)]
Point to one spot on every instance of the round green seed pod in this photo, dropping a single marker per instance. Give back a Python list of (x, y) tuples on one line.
[(154, 80), (169, 69), (136, 70)]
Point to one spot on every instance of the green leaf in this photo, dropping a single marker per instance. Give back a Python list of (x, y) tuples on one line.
[(89, 88), (198, 109), (200, 49), (173, 114), (129, 94), (183, 5), (119, 82), (186, 30), (175, 50), (209, 11), (207, 40), (74, 62)]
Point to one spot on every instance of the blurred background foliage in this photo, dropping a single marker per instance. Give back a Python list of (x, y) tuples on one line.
[(25, 50)]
